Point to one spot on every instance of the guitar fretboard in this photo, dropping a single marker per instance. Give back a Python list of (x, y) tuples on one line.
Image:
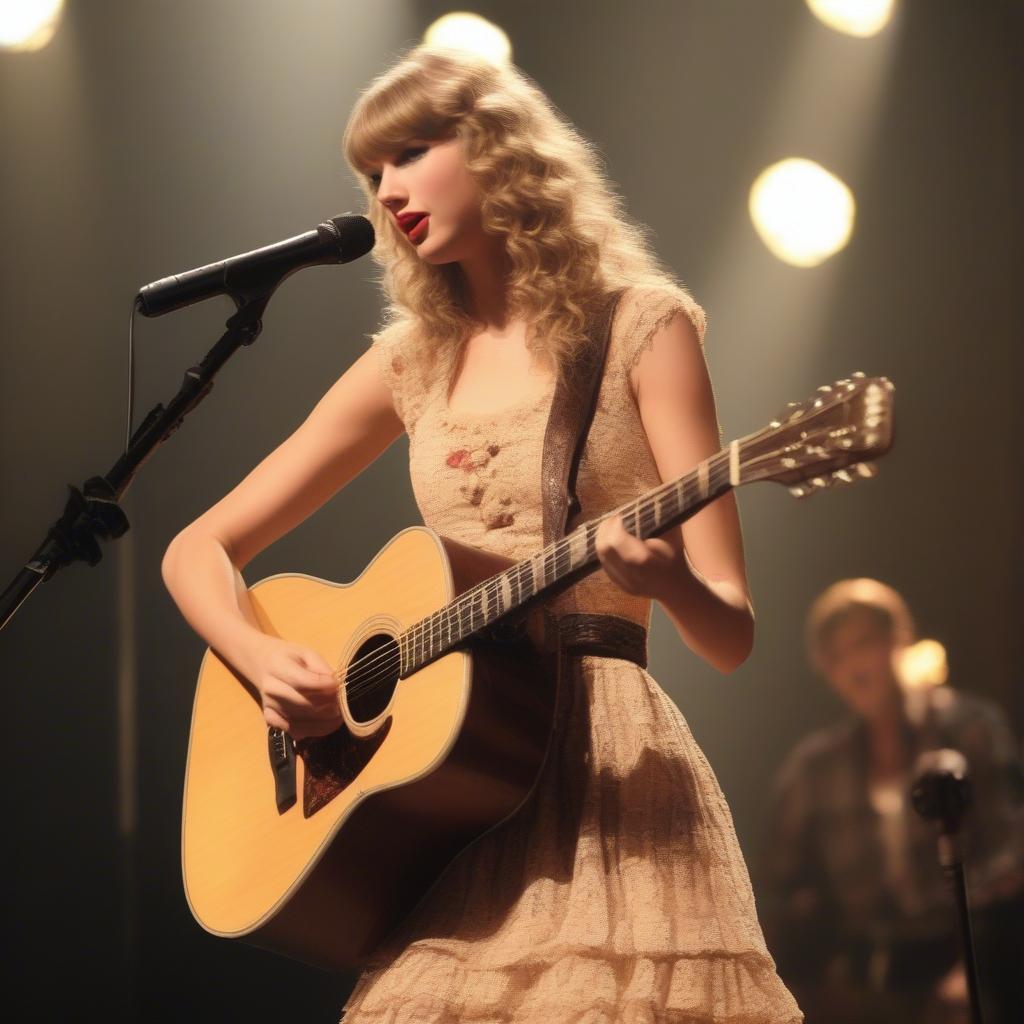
[(563, 561)]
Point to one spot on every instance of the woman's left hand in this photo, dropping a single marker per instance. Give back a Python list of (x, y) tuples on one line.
[(696, 571), (648, 568)]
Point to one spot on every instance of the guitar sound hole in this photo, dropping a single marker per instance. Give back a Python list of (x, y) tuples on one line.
[(372, 676)]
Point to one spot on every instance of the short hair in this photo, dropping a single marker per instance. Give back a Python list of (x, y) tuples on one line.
[(851, 597)]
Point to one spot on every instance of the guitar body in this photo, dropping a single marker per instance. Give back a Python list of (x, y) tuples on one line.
[(320, 856), (422, 767)]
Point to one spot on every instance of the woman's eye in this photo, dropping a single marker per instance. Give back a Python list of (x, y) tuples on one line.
[(411, 153)]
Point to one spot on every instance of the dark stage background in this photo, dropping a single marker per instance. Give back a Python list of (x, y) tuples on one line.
[(149, 138)]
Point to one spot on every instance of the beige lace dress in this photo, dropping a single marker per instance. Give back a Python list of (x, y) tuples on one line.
[(617, 892)]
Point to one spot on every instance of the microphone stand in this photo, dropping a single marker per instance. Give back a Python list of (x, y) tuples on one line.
[(942, 792), (92, 513)]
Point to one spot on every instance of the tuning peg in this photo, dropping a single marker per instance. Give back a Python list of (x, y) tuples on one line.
[(821, 482), (843, 476), (825, 388), (865, 469), (801, 491), (858, 374)]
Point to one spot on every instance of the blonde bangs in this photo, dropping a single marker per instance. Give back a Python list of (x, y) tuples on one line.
[(401, 105), (568, 238)]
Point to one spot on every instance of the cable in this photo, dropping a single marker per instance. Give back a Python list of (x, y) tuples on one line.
[(131, 373)]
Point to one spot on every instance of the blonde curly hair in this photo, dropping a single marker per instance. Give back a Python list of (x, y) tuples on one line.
[(567, 236)]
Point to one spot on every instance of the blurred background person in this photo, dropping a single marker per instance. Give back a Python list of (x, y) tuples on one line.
[(859, 913)]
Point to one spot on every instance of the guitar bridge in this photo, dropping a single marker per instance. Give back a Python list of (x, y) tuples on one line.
[(282, 763)]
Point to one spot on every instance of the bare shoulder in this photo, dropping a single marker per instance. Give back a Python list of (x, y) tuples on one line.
[(664, 349), (672, 388), (658, 327)]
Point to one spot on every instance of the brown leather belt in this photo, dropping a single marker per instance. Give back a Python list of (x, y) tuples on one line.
[(610, 636)]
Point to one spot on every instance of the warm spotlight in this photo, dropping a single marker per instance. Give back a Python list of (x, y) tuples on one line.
[(466, 31), (28, 24), (803, 213), (854, 17), (923, 665)]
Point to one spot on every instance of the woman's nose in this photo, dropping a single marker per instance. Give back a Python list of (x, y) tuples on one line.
[(390, 190)]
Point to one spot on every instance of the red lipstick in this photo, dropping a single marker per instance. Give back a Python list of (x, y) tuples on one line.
[(418, 229), (407, 220)]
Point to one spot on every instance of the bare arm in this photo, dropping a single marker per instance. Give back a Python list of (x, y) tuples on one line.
[(696, 572), (348, 428)]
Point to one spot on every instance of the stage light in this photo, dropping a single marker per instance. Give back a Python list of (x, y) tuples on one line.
[(922, 666), (854, 17), (803, 213), (466, 31), (28, 24)]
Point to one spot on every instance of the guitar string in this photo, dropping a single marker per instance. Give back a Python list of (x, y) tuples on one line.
[(441, 621), (449, 621), (360, 682), (362, 674), (645, 516)]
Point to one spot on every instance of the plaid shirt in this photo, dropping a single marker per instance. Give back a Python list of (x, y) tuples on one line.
[(826, 884)]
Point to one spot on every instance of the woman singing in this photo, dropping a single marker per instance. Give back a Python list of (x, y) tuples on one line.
[(617, 892)]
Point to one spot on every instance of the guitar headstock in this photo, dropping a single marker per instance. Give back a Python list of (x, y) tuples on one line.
[(828, 439)]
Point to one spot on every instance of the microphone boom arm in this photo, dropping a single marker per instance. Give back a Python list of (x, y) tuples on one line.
[(93, 513)]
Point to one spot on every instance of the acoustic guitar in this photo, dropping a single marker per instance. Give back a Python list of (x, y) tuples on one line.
[(447, 684)]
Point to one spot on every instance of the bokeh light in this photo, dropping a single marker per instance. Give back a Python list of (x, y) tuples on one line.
[(803, 213), (466, 31), (854, 17), (28, 24), (922, 666)]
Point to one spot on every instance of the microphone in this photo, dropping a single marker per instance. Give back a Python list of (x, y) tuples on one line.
[(338, 240), (942, 793), (942, 788)]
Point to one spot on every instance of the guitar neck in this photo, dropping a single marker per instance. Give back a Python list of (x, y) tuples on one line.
[(564, 561)]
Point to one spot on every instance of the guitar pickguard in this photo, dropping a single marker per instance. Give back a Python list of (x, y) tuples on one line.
[(333, 761)]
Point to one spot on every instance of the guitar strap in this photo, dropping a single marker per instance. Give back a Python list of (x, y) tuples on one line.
[(572, 411)]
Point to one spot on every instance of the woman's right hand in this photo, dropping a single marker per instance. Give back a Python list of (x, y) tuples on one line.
[(297, 687)]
